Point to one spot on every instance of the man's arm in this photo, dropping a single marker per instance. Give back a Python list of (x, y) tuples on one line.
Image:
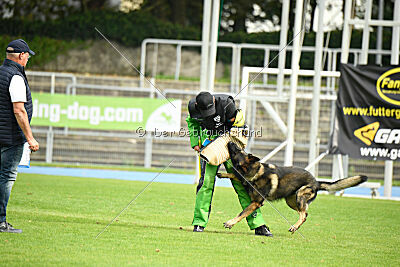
[(194, 132), (233, 115), (23, 122)]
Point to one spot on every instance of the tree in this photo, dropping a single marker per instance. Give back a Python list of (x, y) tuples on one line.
[(35, 9), (92, 4), (236, 14), (183, 12), (47, 9)]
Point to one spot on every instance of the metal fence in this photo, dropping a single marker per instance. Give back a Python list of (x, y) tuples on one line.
[(330, 57), (131, 148), (77, 146)]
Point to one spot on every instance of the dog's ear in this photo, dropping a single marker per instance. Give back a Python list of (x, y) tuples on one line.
[(253, 158)]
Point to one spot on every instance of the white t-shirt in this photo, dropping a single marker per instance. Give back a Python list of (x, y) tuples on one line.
[(17, 89)]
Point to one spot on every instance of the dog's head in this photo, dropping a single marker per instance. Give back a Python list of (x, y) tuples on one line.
[(246, 164)]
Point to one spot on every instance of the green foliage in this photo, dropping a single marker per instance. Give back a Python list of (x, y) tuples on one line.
[(183, 12), (46, 48), (61, 216), (130, 29), (127, 28), (37, 9)]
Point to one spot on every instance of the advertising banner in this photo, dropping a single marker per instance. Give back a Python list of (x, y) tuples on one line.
[(367, 121), (106, 112)]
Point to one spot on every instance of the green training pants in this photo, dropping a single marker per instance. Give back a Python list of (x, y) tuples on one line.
[(205, 191)]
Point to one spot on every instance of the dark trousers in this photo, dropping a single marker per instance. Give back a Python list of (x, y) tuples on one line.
[(10, 158)]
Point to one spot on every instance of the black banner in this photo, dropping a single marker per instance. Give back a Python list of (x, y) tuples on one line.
[(367, 123)]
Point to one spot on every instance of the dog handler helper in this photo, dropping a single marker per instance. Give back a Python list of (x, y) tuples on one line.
[(209, 117)]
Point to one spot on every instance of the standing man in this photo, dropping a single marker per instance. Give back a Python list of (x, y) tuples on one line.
[(209, 117), (15, 117)]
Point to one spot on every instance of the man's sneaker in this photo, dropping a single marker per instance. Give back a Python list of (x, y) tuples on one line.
[(263, 230), (5, 227), (198, 228)]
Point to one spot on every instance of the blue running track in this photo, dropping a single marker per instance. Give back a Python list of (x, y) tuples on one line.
[(163, 177), (119, 175)]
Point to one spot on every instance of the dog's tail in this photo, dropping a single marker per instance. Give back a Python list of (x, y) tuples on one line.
[(342, 183)]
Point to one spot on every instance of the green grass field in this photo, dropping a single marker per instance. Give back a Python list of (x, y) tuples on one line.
[(61, 216)]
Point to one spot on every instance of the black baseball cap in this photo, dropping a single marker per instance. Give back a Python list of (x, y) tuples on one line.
[(19, 46), (205, 103)]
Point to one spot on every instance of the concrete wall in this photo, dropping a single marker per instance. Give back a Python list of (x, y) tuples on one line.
[(100, 58)]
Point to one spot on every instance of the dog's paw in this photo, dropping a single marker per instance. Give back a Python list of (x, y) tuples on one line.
[(292, 229), (229, 224), (222, 175)]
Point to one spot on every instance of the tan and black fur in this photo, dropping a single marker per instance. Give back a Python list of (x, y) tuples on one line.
[(296, 185)]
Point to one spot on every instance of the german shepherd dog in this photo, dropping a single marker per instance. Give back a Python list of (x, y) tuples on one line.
[(267, 181)]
